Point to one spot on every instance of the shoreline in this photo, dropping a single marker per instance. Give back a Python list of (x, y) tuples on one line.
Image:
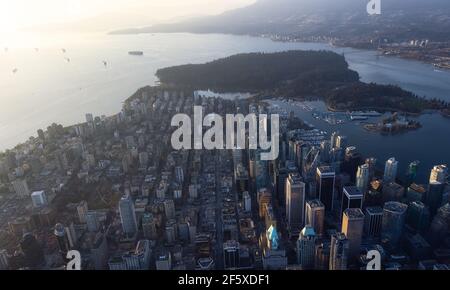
[(270, 37), (26, 139), (255, 96)]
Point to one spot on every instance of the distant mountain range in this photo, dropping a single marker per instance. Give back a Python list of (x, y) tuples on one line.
[(335, 18)]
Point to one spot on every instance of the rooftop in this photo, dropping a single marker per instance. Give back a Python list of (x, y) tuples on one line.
[(315, 203), (374, 210), (352, 191), (395, 206), (325, 170), (354, 213)]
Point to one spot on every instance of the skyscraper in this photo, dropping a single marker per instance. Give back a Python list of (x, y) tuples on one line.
[(231, 255), (415, 192), (440, 224), (261, 171), (325, 148), (325, 179), (322, 259), (247, 201), (128, 216), (92, 221), (372, 163), (439, 173), (339, 252), (418, 216), (139, 259), (390, 170), (315, 216), (392, 191), (63, 242), (362, 178), (351, 198), (164, 261), (434, 196), (333, 139), (34, 254), (352, 227), (438, 180), (306, 247), (171, 230), (373, 221), (264, 198), (352, 161), (341, 142), (179, 174), (169, 208), (411, 174), (295, 202), (394, 214)]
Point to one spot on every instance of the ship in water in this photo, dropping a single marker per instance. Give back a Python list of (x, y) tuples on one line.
[(366, 114), (358, 118), (136, 52)]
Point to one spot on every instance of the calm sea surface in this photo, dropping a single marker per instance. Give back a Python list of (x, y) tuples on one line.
[(52, 86)]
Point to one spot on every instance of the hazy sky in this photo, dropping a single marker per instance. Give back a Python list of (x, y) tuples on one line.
[(15, 14)]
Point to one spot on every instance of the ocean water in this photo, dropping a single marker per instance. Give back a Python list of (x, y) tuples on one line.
[(430, 144), (52, 86)]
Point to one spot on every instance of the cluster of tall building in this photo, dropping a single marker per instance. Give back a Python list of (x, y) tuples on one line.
[(320, 205), (351, 207)]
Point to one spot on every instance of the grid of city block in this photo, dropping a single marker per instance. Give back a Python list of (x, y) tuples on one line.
[(114, 190)]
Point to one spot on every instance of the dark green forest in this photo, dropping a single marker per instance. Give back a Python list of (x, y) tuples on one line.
[(296, 74), (254, 72)]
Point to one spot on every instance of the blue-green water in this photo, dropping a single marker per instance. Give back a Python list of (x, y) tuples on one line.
[(429, 144)]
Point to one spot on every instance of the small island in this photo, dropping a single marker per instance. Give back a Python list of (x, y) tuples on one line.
[(393, 124), (298, 75)]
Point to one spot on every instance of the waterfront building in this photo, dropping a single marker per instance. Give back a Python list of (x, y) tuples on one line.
[(362, 178), (439, 173), (390, 170)]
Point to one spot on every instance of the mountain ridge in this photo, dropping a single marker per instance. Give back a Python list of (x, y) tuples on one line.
[(319, 17)]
